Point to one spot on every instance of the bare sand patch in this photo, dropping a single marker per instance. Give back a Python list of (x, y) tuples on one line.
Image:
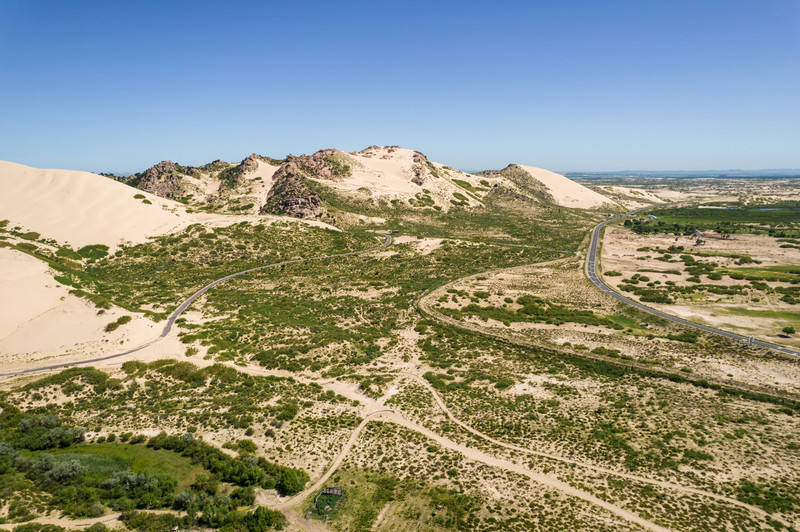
[(567, 192), (423, 246), (41, 322)]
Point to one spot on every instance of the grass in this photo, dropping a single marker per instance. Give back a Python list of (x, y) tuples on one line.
[(780, 219), (106, 458)]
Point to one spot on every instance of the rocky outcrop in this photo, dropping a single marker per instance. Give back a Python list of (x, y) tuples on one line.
[(331, 165), (290, 194), (420, 165), (530, 188), (217, 165), (233, 176), (162, 179)]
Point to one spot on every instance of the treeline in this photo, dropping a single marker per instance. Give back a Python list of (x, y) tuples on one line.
[(259, 520), (242, 471), (79, 486), (75, 489)]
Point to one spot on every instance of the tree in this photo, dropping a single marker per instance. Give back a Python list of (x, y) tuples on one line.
[(291, 481), (789, 330)]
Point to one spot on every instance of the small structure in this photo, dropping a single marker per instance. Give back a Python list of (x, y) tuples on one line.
[(324, 502)]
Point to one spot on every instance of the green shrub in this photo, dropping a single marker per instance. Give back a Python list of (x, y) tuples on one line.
[(93, 251), (114, 325)]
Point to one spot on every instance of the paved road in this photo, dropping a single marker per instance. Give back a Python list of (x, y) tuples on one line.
[(591, 272), (183, 306)]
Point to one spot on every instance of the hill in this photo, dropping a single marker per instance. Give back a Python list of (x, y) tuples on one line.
[(81, 208), (377, 177), (564, 191)]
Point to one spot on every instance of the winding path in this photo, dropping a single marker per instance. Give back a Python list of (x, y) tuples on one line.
[(377, 412), (621, 474), (183, 306), (591, 272)]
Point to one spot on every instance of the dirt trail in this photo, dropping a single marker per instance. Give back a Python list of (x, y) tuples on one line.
[(375, 411), (660, 483), (542, 478)]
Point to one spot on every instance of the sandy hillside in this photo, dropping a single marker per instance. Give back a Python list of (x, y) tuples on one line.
[(260, 181), (40, 321), (399, 173), (566, 192), (81, 208)]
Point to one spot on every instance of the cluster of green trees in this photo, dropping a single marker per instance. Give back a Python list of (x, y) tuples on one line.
[(242, 471), (82, 485), (258, 520), (76, 490), (37, 432)]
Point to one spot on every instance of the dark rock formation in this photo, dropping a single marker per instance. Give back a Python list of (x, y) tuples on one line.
[(325, 164), (162, 179), (420, 164), (290, 194), (234, 176)]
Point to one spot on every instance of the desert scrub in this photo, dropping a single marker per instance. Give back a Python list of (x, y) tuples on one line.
[(652, 426), (320, 315), (274, 413), (161, 273)]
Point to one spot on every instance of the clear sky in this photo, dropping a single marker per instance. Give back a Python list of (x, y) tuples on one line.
[(567, 85)]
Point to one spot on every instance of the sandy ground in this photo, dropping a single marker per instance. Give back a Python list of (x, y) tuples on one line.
[(41, 322), (566, 192), (423, 246), (387, 172), (81, 208), (620, 253)]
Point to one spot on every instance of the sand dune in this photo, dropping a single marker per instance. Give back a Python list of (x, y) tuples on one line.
[(389, 172), (566, 192), (389, 176), (41, 321), (81, 208)]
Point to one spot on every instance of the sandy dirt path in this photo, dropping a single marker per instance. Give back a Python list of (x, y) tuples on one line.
[(655, 482)]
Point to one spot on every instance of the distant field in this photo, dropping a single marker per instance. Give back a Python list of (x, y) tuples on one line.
[(778, 219)]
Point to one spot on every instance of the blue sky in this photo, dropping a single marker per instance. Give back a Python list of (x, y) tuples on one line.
[(565, 85)]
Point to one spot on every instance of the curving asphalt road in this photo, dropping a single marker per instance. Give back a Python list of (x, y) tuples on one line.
[(183, 306), (591, 272)]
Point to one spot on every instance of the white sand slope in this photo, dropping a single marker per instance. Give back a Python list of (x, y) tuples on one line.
[(566, 192), (383, 176), (260, 181), (81, 208), (387, 172), (41, 321)]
